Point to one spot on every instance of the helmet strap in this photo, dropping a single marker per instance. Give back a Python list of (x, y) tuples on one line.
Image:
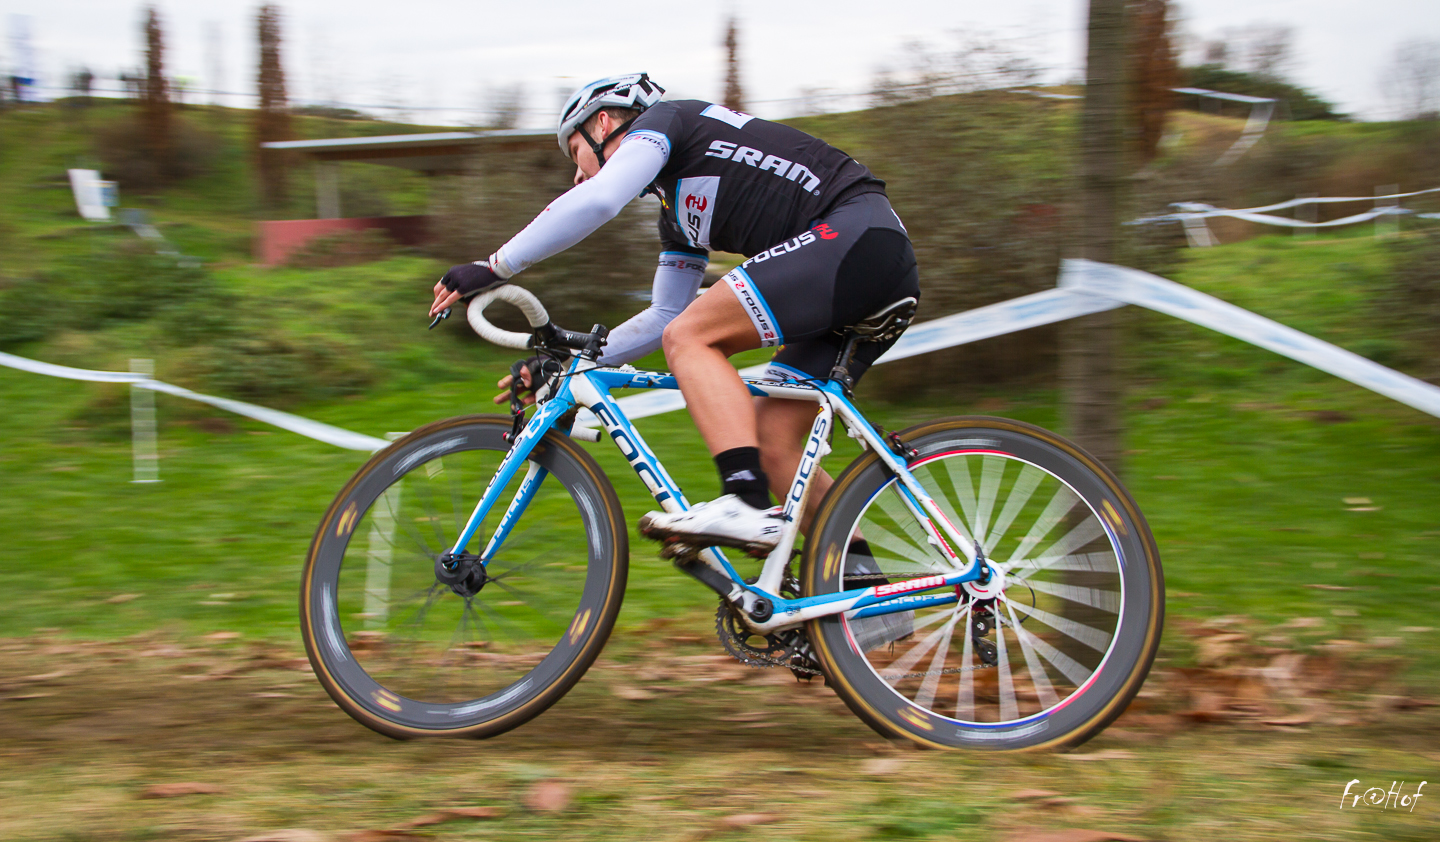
[(599, 147)]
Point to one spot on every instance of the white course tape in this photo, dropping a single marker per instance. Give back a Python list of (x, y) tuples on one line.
[(1087, 287), (1132, 286), (1041, 308), (1200, 210), (1084, 287), (274, 417)]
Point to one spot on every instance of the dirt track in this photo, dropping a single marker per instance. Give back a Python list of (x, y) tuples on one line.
[(151, 738)]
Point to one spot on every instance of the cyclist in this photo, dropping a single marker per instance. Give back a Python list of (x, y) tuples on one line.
[(824, 250)]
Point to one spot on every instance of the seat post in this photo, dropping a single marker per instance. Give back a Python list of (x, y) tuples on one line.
[(840, 372)]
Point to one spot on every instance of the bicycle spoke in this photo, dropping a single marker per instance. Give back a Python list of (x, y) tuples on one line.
[(1099, 598), (1025, 484), (1077, 631), (926, 696), (1008, 707), (965, 698), (1061, 503), (1043, 689), (897, 669), (991, 469), (963, 488)]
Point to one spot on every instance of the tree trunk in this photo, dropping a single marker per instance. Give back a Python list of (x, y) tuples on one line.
[(1089, 346)]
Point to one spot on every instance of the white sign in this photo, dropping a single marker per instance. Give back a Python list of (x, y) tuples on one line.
[(91, 194)]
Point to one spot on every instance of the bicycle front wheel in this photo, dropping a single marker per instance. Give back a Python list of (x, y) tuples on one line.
[(1050, 652), (411, 653)]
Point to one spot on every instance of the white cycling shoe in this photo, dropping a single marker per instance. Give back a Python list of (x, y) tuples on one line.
[(724, 522)]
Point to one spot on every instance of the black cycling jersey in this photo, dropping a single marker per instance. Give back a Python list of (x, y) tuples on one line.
[(740, 184)]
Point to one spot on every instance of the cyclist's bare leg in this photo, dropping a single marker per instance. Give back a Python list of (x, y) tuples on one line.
[(698, 345), (783, 427)]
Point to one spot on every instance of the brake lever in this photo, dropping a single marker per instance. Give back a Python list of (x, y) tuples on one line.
[(444, 314)]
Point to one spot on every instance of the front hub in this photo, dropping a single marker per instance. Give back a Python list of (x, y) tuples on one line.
[(463, 573)]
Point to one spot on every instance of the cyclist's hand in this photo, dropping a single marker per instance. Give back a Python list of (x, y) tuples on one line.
[(463, 281), (527, 398)]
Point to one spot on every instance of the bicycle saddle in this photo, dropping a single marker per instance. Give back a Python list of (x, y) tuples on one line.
[(887, 323)]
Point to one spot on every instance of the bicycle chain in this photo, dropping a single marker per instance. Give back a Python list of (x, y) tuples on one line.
[(725, 618)]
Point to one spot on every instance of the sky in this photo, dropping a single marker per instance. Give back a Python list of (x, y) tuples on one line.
[(446, 61)]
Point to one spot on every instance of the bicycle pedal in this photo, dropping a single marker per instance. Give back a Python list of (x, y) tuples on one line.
[(678, 550)]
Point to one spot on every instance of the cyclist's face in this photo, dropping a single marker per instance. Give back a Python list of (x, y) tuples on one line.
[(586, 164)]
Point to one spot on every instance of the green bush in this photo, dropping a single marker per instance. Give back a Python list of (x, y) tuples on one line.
[(95, 291), (1296, 102), (1406, 305)]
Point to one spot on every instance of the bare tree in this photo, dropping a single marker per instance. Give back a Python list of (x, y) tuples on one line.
[(734, 94), (156, 109), (272, 120), (1089, 345), (978, 63), (1154, 72), (1411, 82), (1270, 47), (82, 83), (504, 106), (1263, 49)]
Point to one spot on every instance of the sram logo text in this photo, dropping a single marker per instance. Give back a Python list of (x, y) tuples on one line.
[(913, 585)]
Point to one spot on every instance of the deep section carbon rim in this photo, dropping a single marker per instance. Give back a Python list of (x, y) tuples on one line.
[(409, 654), (1047, 652)]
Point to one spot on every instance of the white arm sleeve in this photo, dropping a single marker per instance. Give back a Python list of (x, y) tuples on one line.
[(577, 213), (677, 279)]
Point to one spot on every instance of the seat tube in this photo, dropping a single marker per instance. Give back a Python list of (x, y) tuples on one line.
[(816, 448)]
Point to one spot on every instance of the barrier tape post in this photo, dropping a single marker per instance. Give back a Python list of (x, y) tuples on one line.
[(1387, 223), (1307, 213), (143, 440), (378, 554)]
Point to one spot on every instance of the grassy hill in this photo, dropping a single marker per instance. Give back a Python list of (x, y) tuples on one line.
[(1242, 460)]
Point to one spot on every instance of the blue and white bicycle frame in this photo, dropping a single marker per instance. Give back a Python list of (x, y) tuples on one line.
[(589, 385)]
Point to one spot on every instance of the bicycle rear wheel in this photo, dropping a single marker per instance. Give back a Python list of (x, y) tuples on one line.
[(409, 655), (1066, 633)]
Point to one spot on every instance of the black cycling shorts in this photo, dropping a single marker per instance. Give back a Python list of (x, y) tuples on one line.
[(849, 265)]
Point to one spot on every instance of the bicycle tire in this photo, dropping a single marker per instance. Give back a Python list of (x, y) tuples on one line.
[(1083, 594), (409, 656)]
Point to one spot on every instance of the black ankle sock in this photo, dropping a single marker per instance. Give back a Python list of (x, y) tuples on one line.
[(860, 546), (741, 475)]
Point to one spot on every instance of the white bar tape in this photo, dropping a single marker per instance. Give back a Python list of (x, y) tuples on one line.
[(274, 417)]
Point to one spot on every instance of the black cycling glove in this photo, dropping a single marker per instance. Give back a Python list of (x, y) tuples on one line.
[(542, 370), (471, 278)]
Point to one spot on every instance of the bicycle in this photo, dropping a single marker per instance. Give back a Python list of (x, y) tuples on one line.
[(1012, 596)]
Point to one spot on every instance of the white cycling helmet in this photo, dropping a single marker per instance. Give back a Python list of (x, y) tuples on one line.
[(633, 90)]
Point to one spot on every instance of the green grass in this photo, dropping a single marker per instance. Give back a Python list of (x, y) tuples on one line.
[(1243, 462)]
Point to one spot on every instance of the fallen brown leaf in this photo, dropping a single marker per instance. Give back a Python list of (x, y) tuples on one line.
[(881, 765), (1071, 834), (548, 796), (288, 835), (1033, 794), (1107, 754), (631, 693), (454, 813), (176, 790), (748, 819)]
